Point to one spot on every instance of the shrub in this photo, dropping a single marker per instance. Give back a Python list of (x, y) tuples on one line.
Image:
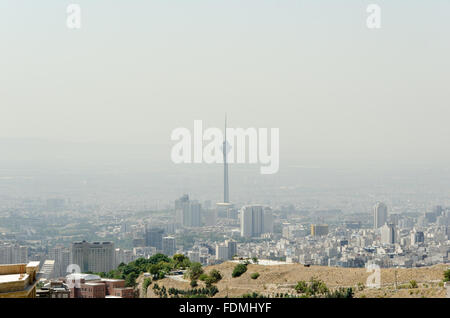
[(301, 287), (215, 275), (317, 287), (194, 283), (146, 283), (447, 275), (238, 270), (341, 293), (209, 281), (254, 275), (413, 284)]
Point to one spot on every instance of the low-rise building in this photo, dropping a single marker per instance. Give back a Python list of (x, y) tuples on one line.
[(19, 280)]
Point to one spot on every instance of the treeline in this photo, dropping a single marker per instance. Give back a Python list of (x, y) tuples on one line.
[(180, 293), (316, 288), (158, 265)]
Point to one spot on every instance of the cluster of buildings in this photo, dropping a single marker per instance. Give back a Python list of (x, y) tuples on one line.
[(394, 241), (13, 253), (92, 286)]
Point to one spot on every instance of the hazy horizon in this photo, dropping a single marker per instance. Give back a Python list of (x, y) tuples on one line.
[(352, 104)]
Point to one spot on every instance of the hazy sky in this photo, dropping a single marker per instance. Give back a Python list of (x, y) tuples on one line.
[(136, 70)]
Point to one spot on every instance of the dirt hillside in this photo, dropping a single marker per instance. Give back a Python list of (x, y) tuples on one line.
[(282, 278)]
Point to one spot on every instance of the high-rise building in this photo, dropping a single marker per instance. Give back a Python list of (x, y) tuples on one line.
[(221, 252), (153, 237), (93, 257), (417, 237), (191, 214), (47, 270), (430, 217), (188, 213), (168, 246), (225, 210), (123, 256), (179, 202), (267, 220), (210, 217), (252, 222), (13, 254), (194, 256), (438, 210), (319, 229), (226, 250), (388, 234), (380, 215), (232, 248), (61, 256)]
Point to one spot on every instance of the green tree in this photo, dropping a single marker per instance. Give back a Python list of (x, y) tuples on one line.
[(181, 261), (157, 258), (195, 270), (130, 280), (154, 270)]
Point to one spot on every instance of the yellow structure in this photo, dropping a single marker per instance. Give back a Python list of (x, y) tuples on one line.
[(319, 229), (18, 280)]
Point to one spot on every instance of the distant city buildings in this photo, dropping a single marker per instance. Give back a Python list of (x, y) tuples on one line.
[(252, 221), (123, 256), (226, 250), (13, 254), (221, 252), (380, 215), (388, 234), (55, 204), (417, 237), (168, 246), (267, 220), (47, 270), (61, 255), (319, 229), (93, 257), (153, 237), (256, 220), (188, 213), (191, 214)]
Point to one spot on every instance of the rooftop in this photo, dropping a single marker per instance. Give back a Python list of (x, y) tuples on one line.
[(86, 277), (12, 278)]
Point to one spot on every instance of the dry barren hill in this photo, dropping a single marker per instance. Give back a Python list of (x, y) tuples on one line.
[(275, 279)]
